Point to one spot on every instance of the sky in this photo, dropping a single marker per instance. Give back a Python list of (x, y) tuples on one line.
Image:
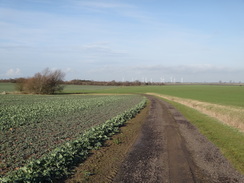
[(124, 40)]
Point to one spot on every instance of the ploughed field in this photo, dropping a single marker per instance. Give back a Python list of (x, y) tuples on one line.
[(34, 125)]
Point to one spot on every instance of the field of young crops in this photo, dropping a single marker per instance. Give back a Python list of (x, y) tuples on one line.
[(232, 95), (33, 125), (87, 88), (7, 87), (39, 127)]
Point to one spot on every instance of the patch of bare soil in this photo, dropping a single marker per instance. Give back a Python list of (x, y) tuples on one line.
[(103, 164), (170, 149), (158, 146)]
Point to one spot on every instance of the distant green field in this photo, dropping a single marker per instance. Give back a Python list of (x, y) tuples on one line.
[(86, 88), (7, 87), (225, 95)]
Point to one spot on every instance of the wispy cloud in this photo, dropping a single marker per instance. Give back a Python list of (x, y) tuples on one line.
[(118, 8), (118, 38), (14, 27), (103, 49), (13, 72)]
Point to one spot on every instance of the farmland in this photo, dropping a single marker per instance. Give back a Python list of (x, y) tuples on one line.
[(7, 87), (231, 95), (87, 88), (222, 102), (33, 125), (48, 122)]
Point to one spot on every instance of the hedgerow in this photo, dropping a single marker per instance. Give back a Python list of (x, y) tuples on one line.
[(59, 163)]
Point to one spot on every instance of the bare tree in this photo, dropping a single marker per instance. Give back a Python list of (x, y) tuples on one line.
[(46, 82)]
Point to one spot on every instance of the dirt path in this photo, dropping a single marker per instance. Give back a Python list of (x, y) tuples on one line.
[(170, 149)]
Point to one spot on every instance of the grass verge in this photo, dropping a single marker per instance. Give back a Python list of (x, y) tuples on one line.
[(227, 139), (229, 115)]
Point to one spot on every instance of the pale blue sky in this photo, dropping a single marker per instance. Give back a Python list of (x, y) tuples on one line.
[(197, 40)]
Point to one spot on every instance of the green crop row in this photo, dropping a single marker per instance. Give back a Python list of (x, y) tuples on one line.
[(60, 161), (20, 110), (59, 119)]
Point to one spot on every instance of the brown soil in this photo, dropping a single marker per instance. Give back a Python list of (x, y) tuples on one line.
[(167, 149), (103, 164)]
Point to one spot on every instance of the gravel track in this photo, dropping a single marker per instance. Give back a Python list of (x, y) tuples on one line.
[(170, 149)]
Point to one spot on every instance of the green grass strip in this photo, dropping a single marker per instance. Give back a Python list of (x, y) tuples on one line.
[(229, 140)]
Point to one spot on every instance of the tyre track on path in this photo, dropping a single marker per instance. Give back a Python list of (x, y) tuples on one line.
[(170, 149)]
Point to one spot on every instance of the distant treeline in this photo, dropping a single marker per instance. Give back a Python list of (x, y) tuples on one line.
[(10, 80), (91, 82), (110, 83)]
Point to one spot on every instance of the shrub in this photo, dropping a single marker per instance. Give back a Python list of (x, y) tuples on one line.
[(46, 82)]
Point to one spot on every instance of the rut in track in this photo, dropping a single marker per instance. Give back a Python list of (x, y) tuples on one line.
[(170, 149)]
